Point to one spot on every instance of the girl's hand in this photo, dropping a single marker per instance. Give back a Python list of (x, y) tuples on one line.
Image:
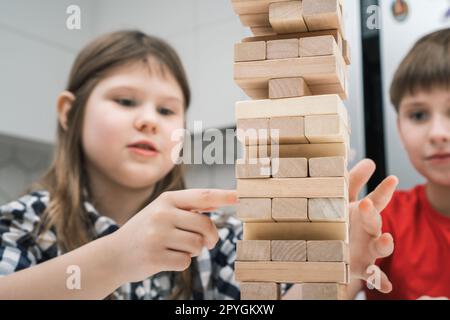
[(367, 243), (166, 234)]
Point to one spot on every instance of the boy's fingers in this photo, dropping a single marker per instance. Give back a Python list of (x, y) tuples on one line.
[(381, 247), (378, 279), (201, 199), (358, 177), (383, 192), (371, 220)]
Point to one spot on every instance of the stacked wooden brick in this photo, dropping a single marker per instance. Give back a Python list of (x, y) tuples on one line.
[(292, 181)]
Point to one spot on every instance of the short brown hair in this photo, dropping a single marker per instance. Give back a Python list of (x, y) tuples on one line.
[(425, 67)]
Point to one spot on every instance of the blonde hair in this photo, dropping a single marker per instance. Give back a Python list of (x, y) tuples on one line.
[(66, 178)]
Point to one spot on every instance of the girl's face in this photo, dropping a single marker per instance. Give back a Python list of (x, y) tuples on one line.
[(424, 126), (128, 124)]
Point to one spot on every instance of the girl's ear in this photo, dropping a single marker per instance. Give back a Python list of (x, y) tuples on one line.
[(64, 104)]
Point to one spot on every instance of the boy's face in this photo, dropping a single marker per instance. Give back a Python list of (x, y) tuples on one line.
[(424, 127), (131, 106)]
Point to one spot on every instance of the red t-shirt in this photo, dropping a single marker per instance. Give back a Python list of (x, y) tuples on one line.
[(420, 263)]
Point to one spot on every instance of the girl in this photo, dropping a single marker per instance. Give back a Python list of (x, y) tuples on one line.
[(110, 218)]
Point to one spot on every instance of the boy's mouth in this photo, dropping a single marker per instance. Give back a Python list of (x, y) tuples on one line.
[(439, 158)]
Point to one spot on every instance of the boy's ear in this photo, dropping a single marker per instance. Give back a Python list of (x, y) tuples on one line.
[(63, 105), (399, 130)]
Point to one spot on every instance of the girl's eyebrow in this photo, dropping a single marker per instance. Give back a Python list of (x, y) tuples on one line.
[(166, 97)]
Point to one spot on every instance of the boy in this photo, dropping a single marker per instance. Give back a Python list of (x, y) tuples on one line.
[(419, 219)]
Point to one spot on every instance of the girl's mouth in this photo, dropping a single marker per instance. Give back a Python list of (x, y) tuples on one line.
[(144, 148)]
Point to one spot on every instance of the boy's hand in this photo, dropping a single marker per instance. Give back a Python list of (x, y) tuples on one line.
[(367, 243)]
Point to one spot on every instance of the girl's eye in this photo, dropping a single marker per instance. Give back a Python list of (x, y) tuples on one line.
[(418, 116), (165, 111), (126, 102)]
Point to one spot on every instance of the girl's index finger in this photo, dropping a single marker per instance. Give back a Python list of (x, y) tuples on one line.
[(202, 199)]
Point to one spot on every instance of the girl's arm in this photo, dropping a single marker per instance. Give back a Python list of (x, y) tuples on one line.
[(95, 265), (163, 236)]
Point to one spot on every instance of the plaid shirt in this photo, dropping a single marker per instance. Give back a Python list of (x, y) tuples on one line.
[(23, 245)]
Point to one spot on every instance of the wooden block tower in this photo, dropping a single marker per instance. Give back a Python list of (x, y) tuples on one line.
[(293, 180)]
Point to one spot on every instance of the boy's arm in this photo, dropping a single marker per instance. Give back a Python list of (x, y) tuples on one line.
[(100, 274), (367, 242)]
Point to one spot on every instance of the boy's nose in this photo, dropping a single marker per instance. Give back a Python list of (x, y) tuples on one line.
[(439, 131)]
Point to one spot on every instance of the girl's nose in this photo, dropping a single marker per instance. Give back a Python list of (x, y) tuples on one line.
[(147, 120), (440, 131)]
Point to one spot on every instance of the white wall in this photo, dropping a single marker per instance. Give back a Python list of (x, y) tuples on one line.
[(354, 103), (396, 40), (36, 52)]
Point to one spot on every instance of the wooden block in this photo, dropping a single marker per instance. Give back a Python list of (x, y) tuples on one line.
[(288, 250), (293, 188), (282, 49), (253, 250), (288, 88), (262, 31), (290, 209), (346, 52), (250, 51), (327, 251), (255, 20), (260, 291), (254, 210), (287, 130), (292, 107), (319, 291), (316, 90), (253, 168), (267, 37), (296, 231), (321, 89), (328, 209), (291, 272), (325, 129), (252, 6), (315, 70), (322, 15), (297, 150), (328, 167), (318, 46), (287, 17), (258, 93), (289, 167), (253, 131)]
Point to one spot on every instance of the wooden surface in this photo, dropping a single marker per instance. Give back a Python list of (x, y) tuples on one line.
[(292, 188), (291, 272), (290, 209), (296, 231)]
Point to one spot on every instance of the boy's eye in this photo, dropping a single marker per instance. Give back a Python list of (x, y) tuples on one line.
[(165, 111), (418, 116), (126, 102)]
